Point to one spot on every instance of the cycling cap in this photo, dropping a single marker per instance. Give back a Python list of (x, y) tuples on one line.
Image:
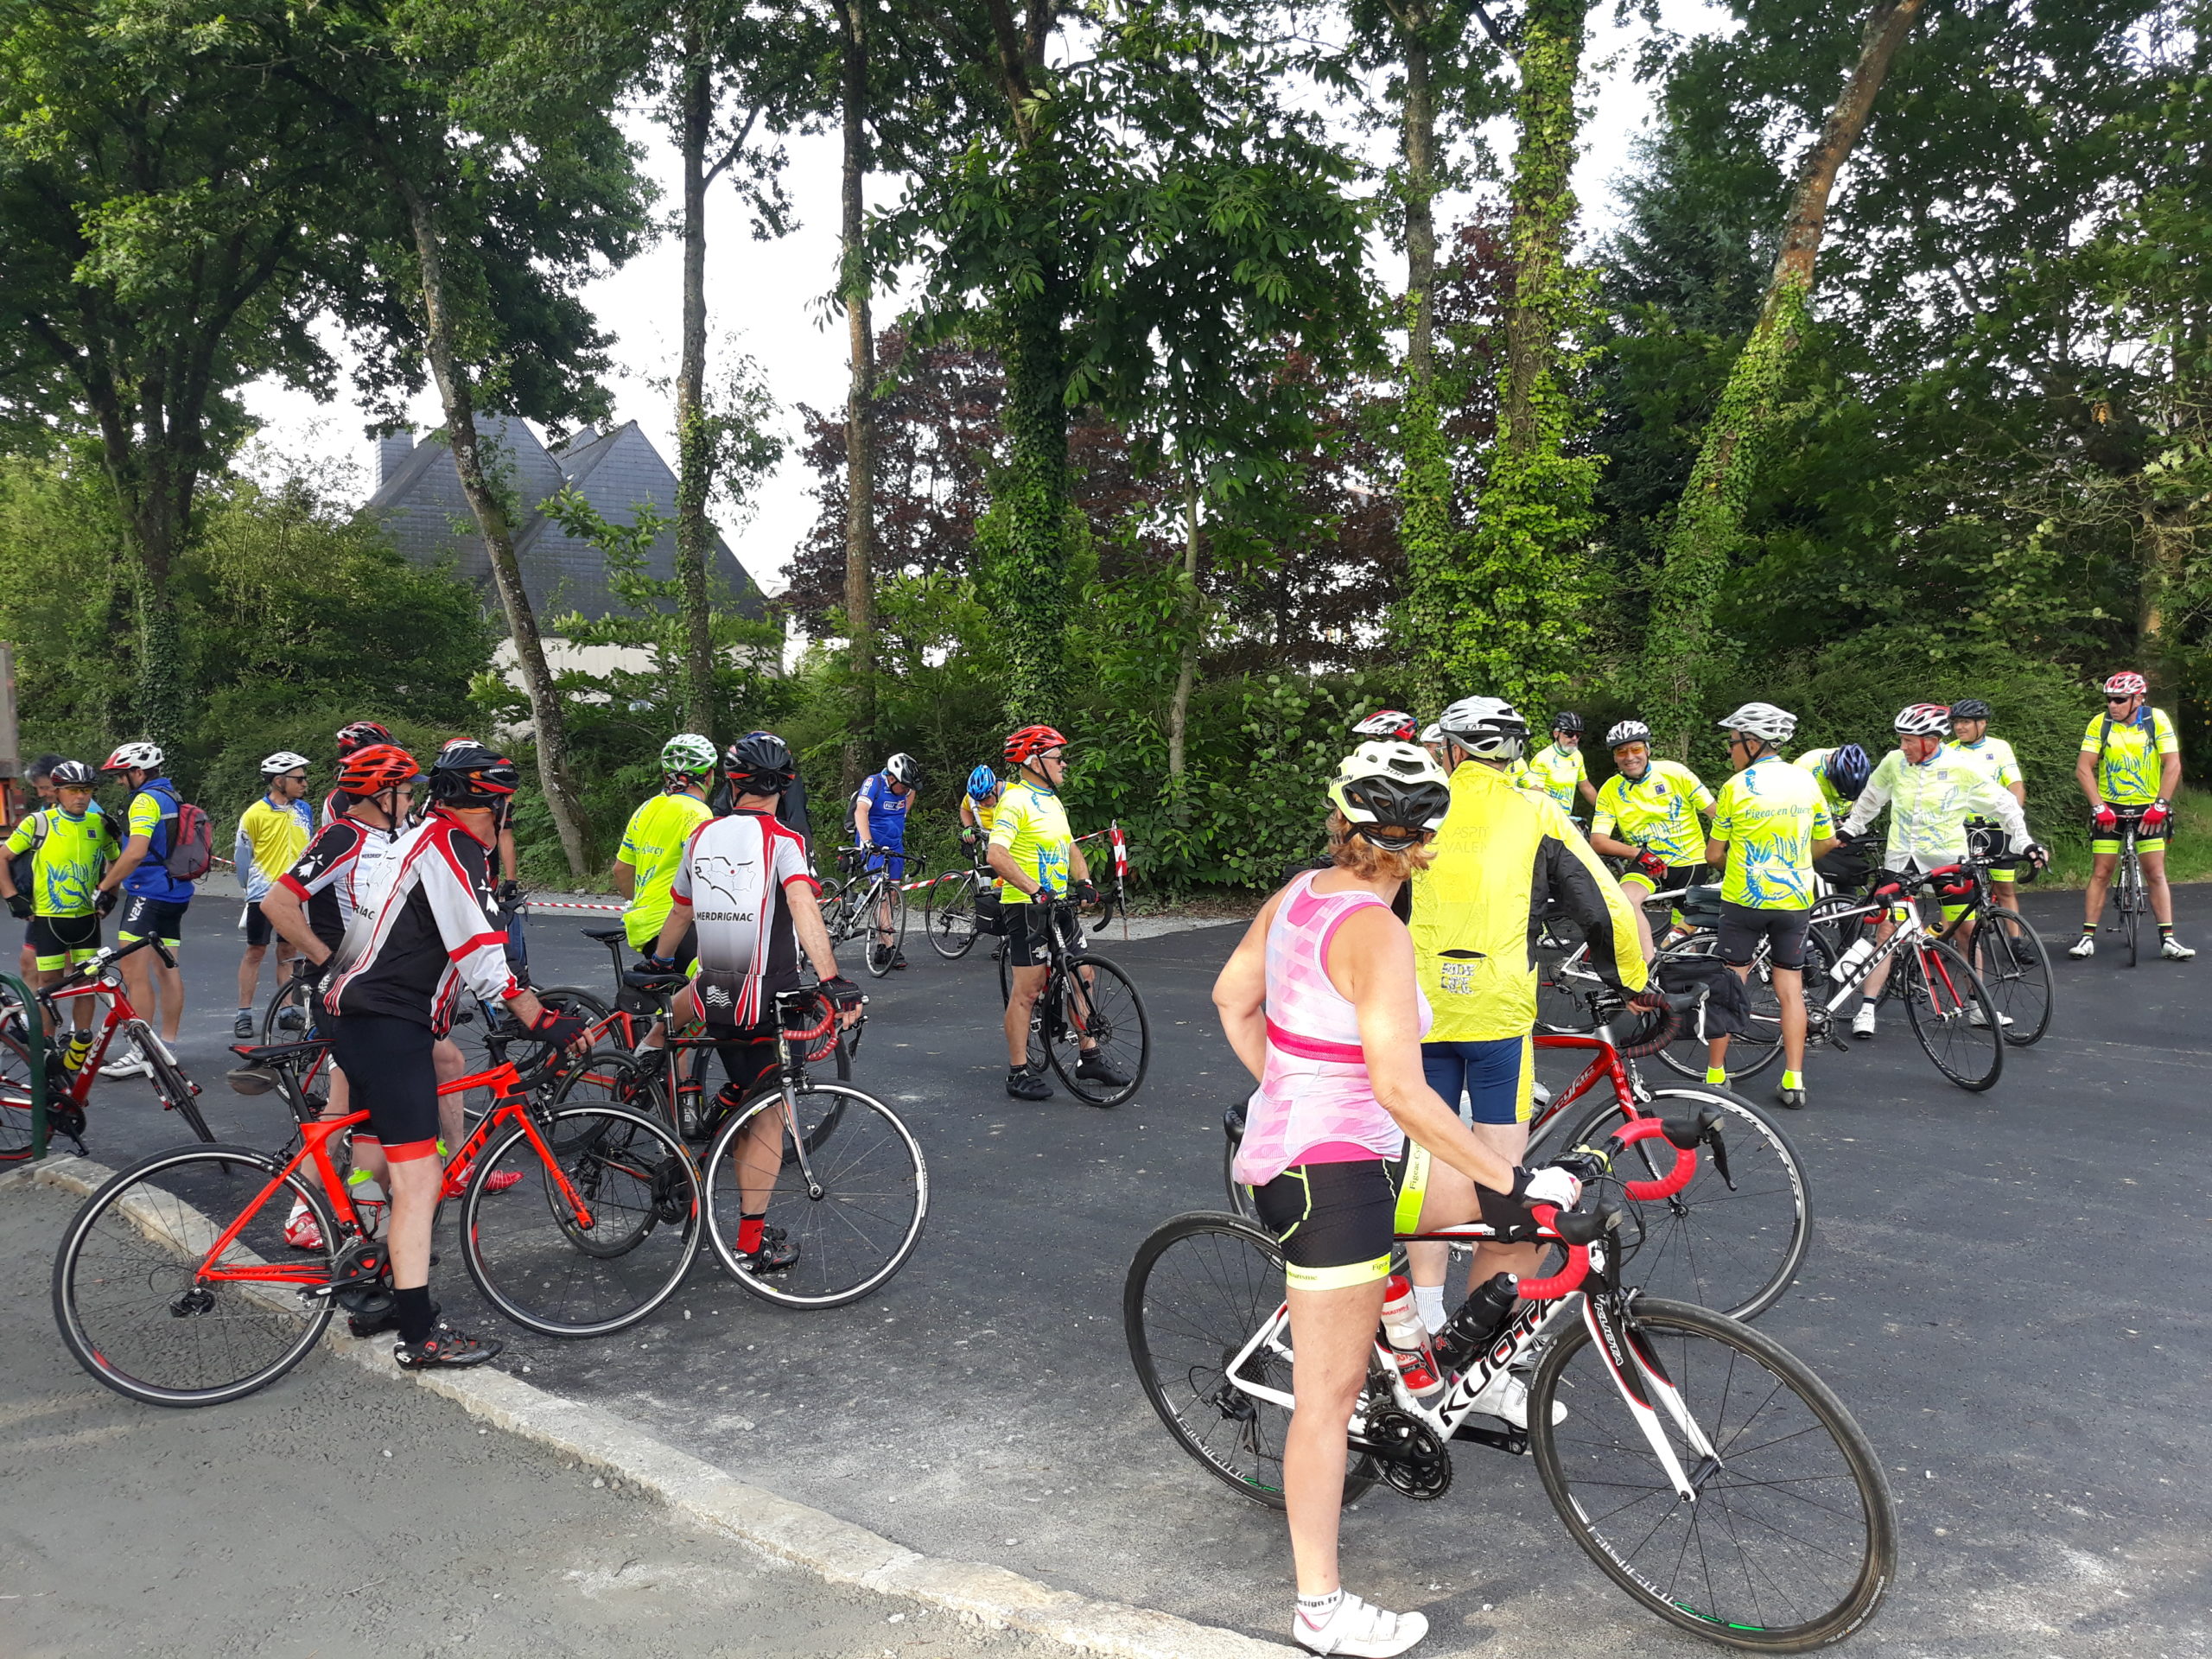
[(2127, 683), (1031, 739), (375, 769), (1568, 722), (981, 782), (688, 753), (71, 774), (466, 773), (360, 735), (1394, 724), (759, 763), (1489, 728), (902, 769), (283, 761), (1923, 720), (1764, 721), (1848, 769), (1629, 731), (1969, 708), (144, 756), (1391, 793)]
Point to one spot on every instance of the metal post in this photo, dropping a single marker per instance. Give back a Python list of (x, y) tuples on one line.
[(35, 1051)]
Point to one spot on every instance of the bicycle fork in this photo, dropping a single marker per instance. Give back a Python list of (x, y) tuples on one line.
[(1648, 1391)]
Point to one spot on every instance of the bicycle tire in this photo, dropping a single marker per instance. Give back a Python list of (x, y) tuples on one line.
[(1746, 1265), (2016, 968), (880, 955), (1750, 1051), (1587, 1479), (1944, 1009), (16, 1029), (292, 993), (177, 1092), (875, 1186), (145, 1268), (951, 921), (624, 1081), (566, 1280), (1182, 1336), (2131, 900), (1095, 1009)]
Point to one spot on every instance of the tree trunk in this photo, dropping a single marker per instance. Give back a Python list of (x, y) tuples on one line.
[(1543, 206), (1709, 520), (854, 285), (1025, 537), (1417, 141), (694, 536), (1186, 673), (458, 399)]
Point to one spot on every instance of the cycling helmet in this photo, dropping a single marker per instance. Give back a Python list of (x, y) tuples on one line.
[(1629, 731), (1029, 740), (2127, 683), (1568, 722), (902, 769), (981, 782), (759, 763), (145, 757), (1391, 793), (361, 735), (1393, 725), (1969, 708), (1489, 728), (688, 755), (1923, 720), (466, 773), (71, 774), (1431, 732), (283, 761), (1848, 769), (1763, 721), (373, 770)]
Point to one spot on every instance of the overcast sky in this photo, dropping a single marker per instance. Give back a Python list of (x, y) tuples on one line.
[(765, 298)]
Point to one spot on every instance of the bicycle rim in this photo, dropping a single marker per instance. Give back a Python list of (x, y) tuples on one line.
[(854, 1225), (1104, 1007), (2015, 967), (1943, 995), (1200, 1288), (129, 1298), (532, 1254), (1791, 1543), (949, 917)]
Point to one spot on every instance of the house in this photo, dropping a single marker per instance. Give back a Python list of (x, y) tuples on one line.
[(419, 502)]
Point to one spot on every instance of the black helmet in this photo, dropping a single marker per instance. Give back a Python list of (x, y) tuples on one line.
[(759, 763), (71, 774), (466, 773), (1969, 708), (1568, 722)]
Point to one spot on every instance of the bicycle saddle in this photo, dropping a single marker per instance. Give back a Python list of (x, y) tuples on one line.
[(607, 935), (301, 1049), (637, 979)]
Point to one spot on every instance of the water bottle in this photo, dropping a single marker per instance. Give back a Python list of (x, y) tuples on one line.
[(1848, 964), (1470, 1331), (1408, 1340)]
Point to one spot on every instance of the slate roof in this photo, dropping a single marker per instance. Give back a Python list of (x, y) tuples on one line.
[(419, 502)]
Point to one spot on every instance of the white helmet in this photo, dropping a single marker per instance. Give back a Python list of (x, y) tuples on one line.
[(145, 757), (1489, 728), (1629, 731), (1431, 732), (901, 769), (1764, 721), (1391, 786), (283, 761), (1923, 720)]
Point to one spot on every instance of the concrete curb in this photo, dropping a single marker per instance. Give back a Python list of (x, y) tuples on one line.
[(838, 1550)]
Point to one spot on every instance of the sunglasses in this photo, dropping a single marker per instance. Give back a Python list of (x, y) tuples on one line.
[(2130, 697)]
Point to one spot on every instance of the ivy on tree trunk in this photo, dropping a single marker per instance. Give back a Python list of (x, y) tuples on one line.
[(854, 285), (694, 441)]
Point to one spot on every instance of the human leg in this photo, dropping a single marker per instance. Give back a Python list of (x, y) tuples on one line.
[(1637, 888)]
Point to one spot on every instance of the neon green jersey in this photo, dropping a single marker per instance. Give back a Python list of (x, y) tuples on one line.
[(1659, 808), (71, 856), (1558, 771), (1994, 755), (1032, 826), (1815, 761), (1929, 804), (1770, 814), (2128, 755), (652, 845)]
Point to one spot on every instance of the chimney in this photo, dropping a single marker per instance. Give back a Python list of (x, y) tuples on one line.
[(392, 450)]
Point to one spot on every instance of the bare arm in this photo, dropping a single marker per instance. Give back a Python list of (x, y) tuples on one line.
[(1589, 793), (284, 912), (860, 822), (677, 924), (806, 922), (2085, 774), (1716, 854), (1078, 866), (624, 878), (2169, 775), (1611, 847), (1240, 992)]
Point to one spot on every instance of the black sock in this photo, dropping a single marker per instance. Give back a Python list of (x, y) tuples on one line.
[(2089, 930), (2165, 930), (416, 1319)]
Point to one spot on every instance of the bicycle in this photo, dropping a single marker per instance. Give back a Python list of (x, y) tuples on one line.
[(1086, 999), (68, 1093), (949, 907), (2009, 955), (1706, 1471), (162, 1301), (2129, 901), (852, 900)]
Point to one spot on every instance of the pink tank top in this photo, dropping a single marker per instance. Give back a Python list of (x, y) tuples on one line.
[(1314, 1089)]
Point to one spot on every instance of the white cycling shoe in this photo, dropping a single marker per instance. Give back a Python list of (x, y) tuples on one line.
[(1973, 1017), (1506, 1396), (1357, 1629), (2174, 950), (2084, 947), (1862, 1023)]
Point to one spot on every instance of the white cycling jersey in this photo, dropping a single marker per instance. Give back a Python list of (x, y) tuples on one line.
[(732, 878), (1929, 804)]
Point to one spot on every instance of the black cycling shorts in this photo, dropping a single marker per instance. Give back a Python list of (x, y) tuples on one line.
[(748, 1055), (62, 941), (1024, 934), (1338, 1222), (1742, 927), (151, 919), (391, 1074), (258, 932)]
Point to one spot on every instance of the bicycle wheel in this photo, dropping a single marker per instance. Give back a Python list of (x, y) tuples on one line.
[(884, 938), (568, 1272), (1200, 1288), (948, 916), (620, 1081), (131, 1291), (17, 1028), (1564, 982), (288, 1000), (2010, 957), (2131, 900), (1953, 1016), (854, 1223), (1734, 1248), (1099, 1002), (1791, 1542), (1750, 1050)]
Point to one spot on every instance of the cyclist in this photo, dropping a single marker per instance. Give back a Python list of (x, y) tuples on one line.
[(879, 811), (1032, 852), (391, 988), (742, 887), (1559, 769), (1970, 740), (1841, 772), (41, 778), (654, 839), (2122, 750), (1347, 1143), (70, 844), (154, 901), (352, 740), (1931, 793), (1653, 805), (272, 834), (1769, 824), (979, 805), (1501, 858)]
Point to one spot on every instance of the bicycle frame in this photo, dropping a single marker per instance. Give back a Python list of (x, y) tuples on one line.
[(1910, 933), (69, 1092)]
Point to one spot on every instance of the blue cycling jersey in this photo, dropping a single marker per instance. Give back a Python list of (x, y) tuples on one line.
[(887, 811)]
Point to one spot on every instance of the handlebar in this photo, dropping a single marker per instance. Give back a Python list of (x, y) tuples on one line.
[(85, 972), (1682, 1135), (1577, 1231)]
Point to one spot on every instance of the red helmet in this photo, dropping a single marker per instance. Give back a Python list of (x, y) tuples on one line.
[(1388, 725), (360, 736), (2127, 683), (372, 770), (1029, 740)]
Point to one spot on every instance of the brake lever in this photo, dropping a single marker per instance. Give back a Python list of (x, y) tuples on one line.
[(1713, 1139)]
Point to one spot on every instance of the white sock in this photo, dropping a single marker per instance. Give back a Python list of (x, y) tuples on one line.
[(1430, 1301), (1317, 1610)]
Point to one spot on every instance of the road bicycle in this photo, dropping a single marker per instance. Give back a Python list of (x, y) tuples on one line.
[(68, 1093), (858, 900), (1732, 1237), (2009, 955), (1088, 1007), (2128, 899), (949, 907), (1706, 1471)]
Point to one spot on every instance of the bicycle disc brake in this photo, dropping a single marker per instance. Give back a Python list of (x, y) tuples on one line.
[(1411, 1458)]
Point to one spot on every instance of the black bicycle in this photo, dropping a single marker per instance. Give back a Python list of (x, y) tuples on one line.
[(1089, 1019)]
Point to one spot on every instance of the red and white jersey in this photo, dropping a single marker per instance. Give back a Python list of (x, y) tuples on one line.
[(346, 869), (732, 875), (435, 931)]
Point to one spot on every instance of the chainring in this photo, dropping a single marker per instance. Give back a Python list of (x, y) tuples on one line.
[(1407, 1454)]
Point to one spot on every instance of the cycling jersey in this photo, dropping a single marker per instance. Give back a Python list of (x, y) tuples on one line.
[(346, 869), (1929, 804), (732, 877), (2127, 769), (1770, 814), (1032, 826), (1659, 808), (887, 811), (652, 846), (270, 839), (152, 813), (71, 855), (1994, 755), (1558, 772), (437, 931), (1815, 761)]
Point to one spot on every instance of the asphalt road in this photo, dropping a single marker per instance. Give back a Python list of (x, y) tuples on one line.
[(2008, 1289)]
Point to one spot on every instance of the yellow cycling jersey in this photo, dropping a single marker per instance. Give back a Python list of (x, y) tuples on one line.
[(1992, 756), (1560, 772), (1659, 808), (1032, 825), (1770, 814), (2128, 755), (652, 846)]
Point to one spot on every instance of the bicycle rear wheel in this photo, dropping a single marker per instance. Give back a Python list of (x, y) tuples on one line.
[(1099, 1002), (1953, 1016), (19, 1028), (2010, 957), (885, 939), (288, 1000), (1791, 1542), (1200, 1288), (566, 1272), (948, 916), (135, 1306), (1750, 1050)]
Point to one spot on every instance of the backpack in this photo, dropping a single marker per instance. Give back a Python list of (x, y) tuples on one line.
[(191, 841), (22, 868)]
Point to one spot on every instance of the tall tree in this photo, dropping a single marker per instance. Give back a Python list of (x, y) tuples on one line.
[(854, 283)]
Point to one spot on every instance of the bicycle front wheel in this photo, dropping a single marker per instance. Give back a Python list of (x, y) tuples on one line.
[(1099, 1006), (19, 1028), (597, 1233), (1791, 1541), (2131, 901), (177, 1092), (145, 1310), (1953, 1016), (948, 917), (2010, 957), (886, 923), (853, 1206)]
